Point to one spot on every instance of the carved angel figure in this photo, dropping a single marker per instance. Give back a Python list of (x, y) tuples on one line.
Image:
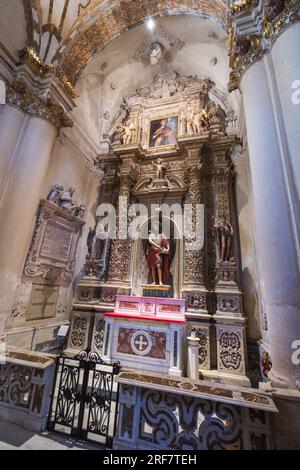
[(213, 112), (197, 120), (190, 121), (200, 121), (128, 134)]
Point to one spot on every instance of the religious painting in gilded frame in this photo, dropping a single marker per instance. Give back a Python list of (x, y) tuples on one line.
[(163, 131)]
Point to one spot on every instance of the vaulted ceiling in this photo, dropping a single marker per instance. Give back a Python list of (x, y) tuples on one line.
[(70, 32)]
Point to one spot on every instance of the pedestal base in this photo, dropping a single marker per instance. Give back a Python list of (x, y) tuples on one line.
[(155, 290)]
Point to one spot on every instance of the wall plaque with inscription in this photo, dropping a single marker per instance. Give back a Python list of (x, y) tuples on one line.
[(54, 242)]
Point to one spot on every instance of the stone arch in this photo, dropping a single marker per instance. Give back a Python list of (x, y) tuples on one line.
[(122, 16)]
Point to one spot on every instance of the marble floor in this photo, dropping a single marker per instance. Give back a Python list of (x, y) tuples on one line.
[(13, 437)]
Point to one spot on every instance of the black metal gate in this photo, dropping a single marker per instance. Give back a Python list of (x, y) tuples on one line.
[(85, 398)]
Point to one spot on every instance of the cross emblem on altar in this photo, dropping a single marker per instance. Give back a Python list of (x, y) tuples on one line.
[(141, 343)]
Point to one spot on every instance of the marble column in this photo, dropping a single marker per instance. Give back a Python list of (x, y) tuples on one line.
[(274, 233), (286, 66), (12, 125), (32, 152)]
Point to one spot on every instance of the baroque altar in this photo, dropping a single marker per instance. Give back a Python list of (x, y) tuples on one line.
[(169, 145)]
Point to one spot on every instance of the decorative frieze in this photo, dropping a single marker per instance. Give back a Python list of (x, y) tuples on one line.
[(231, 348), (98, 334)]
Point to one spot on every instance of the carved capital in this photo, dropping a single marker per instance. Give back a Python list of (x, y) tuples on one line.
[(19, 94), (29, 56), (254, 26)]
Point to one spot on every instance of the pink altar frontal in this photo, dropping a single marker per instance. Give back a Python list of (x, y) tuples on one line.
[(149, 308)]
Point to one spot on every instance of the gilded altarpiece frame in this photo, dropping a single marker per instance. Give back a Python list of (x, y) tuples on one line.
[(197, 170)]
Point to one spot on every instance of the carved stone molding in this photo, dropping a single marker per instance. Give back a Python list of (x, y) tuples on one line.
[(231, 349), (19, 94), (254, 27), (203, 333), (79, 331)]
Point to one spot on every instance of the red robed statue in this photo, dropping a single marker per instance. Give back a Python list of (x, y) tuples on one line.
[(158, 258)]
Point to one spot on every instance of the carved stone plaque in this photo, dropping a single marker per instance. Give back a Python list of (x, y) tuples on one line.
[(54, 242), (43, 301)]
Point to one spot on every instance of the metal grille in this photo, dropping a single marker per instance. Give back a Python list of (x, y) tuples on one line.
[(85, 398)]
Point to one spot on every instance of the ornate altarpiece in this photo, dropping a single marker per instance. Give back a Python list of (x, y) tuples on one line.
[(198, 170)]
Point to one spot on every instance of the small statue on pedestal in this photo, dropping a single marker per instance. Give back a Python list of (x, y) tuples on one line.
[(95, 243), (160, 169), (225, 236), (158, 257)]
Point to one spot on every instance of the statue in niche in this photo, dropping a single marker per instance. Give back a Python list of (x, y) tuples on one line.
[(158, 256), (95, 242), (54, 194), (225, 236), (156, 53)]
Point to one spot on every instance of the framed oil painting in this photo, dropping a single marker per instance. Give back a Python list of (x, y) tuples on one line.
[(163, 131)]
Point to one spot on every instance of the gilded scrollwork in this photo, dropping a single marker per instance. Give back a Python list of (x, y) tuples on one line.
[(266, 21), (19, 94)]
